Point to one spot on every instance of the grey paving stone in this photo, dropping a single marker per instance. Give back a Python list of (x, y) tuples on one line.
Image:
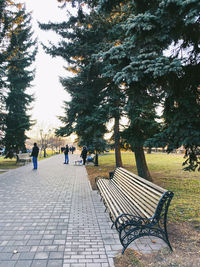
[(59, 242), (7, 263), (55, 263), (26, 255), (51, 248), (23, 263), (61, 248), (33, 248), (41, 255), (46, 242), (40, 248), (56, 255), (39, 263), (93, 265), (32, 242), (5, 256), (48, 236)]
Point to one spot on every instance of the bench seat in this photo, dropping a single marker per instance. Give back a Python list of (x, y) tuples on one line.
[(136, 206)]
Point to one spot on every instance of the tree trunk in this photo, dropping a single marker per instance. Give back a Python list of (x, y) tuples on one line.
[(96, 162), (149, 150), (141, 164), (118, 159)]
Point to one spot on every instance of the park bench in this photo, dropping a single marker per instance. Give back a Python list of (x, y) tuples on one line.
[(136, 206), (23, 158), (90, 159)]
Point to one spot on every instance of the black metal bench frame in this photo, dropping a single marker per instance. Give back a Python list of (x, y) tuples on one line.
[(134, 225)]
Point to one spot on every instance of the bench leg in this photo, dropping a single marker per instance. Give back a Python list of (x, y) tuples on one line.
[(134, 230)]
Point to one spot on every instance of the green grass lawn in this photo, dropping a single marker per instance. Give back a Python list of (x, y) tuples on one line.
[(6, 164), (166, 171)]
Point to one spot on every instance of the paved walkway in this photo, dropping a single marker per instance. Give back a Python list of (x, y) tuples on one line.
[(51, 217)]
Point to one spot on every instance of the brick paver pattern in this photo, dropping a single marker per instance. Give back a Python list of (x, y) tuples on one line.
[(51, 217)]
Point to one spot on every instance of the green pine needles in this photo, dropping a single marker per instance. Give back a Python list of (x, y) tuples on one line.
[(130, 58), (20, 54)]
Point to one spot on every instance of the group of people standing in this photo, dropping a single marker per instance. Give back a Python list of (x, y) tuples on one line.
[(35, 152), (83, 154)]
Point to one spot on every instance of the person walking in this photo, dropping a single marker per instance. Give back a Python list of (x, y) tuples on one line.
[(84, 154), (66, 152), (73, 149), (34, 154)]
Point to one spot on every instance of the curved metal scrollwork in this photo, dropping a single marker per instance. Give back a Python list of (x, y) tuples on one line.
[(131, 227)]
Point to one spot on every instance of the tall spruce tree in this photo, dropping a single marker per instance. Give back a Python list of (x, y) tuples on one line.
[(8, 21), (140, 58), (3, 30), (162, 39), (113, 36), (87, 36), (83, 116), (20, 56), (136, 93), (3, 27)]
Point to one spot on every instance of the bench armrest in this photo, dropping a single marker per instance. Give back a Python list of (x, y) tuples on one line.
[(100, 177)]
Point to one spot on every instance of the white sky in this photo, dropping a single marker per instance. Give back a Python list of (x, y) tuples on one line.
[(47, 89)]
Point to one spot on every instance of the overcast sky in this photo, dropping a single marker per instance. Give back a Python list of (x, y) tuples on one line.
[(48, 91)]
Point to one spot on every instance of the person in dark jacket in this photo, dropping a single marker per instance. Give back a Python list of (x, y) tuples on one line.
[(66, 152), (73, 149), (34, 154), (84, 154)]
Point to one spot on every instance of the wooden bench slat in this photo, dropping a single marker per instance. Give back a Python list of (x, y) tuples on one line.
[(125, 203), (140, 192), (116, 197), (150, 186), (119, 204), (114, 211), (145, 209), (130, 185), (144, 181), (139, 195), (128, 206)]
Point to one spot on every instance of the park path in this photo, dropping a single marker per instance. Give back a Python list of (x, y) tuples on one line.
[(51, 217)]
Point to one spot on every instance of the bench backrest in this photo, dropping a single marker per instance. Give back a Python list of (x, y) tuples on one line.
[(23, 155), (147, 198)]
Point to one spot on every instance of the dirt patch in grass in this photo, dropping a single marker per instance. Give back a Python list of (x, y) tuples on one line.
[(185, 241), (129, 259)]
